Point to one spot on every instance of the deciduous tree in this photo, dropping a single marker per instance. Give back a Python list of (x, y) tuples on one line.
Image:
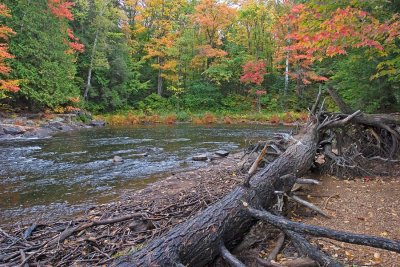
[(5, 33)]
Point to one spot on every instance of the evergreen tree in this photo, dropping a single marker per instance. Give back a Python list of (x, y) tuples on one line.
[(44, 61)]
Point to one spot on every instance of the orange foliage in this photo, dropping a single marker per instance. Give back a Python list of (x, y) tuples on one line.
[(209, 52), (288, 117), (170, 119), (74, 44), (212, 17), (133, 119), (208, 118), (228, 120), (274, 119), (5, 33)]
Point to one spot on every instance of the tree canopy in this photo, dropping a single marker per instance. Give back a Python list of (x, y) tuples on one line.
[(115, 55)]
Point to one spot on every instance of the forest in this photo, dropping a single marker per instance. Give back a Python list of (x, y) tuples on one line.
[(183, 56)]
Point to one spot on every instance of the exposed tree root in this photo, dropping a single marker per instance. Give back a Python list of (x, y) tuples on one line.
[(366, 240)]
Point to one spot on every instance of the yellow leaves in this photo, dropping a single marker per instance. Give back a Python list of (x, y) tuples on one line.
[(349, 255), (4, 11), (170, 65), (384, 234), (376, 259)]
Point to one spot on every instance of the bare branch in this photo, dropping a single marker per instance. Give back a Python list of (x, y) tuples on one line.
[(309, 205)]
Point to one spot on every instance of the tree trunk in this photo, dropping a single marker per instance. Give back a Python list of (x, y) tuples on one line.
[(159, 78), (89, 77), (339, 101), (286, 88), (197, 242)]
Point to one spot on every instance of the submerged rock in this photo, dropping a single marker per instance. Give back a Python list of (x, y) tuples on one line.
[(200, 157), (39, 133), (97, 123), (6, 136), (222, 153), (55, 125)]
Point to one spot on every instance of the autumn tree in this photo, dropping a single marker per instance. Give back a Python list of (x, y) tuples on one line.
[(5, 33), (253, 73), (315, 33), (212, 19), (163, 20)]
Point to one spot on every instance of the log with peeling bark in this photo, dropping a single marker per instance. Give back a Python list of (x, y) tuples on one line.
[(218, 229)]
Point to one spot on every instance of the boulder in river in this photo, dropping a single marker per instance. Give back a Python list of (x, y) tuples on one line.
[(117, 159), (222, 153), (200, 157), (14, 130)]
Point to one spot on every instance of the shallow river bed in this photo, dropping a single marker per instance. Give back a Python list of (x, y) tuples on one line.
[(71, 171)]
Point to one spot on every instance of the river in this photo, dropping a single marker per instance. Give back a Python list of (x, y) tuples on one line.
[(73, 170)]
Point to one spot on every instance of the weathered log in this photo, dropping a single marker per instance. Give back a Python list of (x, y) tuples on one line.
[(196, 242)]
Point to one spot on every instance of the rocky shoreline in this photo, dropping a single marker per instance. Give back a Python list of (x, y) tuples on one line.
[(40, 127)]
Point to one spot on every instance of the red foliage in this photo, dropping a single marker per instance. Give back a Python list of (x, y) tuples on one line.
[(61, 9), (253, 72), (261, 92), (310, 34), (5, 33), (74, 44)]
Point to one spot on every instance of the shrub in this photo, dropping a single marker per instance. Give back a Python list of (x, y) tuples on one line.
[(235, 102), (202, 96), (153, 103), (182, 116)]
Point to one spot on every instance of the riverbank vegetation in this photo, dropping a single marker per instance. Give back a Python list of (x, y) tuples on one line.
[(272, 118), (182, 57)]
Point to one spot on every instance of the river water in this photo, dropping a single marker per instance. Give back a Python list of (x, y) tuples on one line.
[(74, 170)]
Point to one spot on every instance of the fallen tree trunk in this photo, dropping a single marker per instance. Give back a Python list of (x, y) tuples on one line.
[(222, 226), (197, 241)]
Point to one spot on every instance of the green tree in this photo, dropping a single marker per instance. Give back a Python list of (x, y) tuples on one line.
[(44, 61)]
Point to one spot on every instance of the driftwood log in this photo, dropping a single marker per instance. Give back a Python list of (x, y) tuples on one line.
[(220, 228)]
